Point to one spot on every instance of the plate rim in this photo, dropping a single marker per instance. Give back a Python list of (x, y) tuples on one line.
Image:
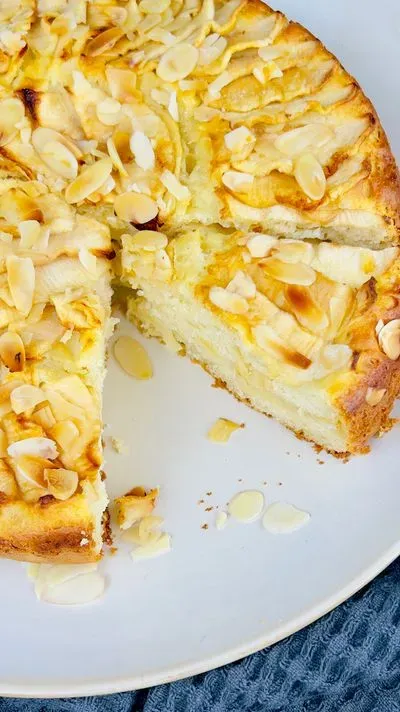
[(230, 655)]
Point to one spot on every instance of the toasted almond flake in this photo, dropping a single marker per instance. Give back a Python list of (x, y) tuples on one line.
[(212, 48), (122, 83), (21, 282), (12, 111), (12, 351), (389, 339), (238, 182), (64, 433), (243, 285), (59, 159), (258, 73), (374, 396), (304, 138), (214, 89), (135, 207), (293, 251), (136, 58), (379, 325), (103, 42), (162, 260), (88, 260), (283, 518), (222, 429), (172, 184), (88, 181), (147, 529), (260, 245), (79, 590), (142, 150), (173, 106), (310, 176), (238, 138), (35, 447), (157, 34), (133, 358), (30, 233), (61, 483), (161, 546), (246, 506), (227, 301), (221, 520), (289, 273), (114, 155), (26, 397), (44, 417), (177, 62), (204, 113), (268, 53), (42, 136), (109, 112)]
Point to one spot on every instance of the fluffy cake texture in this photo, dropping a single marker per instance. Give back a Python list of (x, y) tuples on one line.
[(249, 191)]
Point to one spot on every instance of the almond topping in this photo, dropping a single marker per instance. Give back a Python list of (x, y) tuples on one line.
[(212, 48), (389, 339), (154, 6), (149, 240), (64, 433), (122, 83), (21, 282), (62, 484), (222, 430), (12, 351), (59, 159), (26, 397), (238, 182), (135, 207), (177, 62), (237, 139), (88, 181), (39, 447), (42, 136), (293, 251), (260, 245), (109, 112), (374, 396), (12, 111), (103, 42), (310, 176), (228, 301), (133, 358), (88, 260), (115, 157), (172, 184), (142, 150), (243, 285), (289, 273), (30, 233)]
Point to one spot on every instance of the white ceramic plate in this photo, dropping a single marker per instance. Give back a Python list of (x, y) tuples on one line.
[(219, 595)]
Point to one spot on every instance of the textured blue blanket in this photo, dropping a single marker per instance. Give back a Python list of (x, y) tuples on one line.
[(347, 662)]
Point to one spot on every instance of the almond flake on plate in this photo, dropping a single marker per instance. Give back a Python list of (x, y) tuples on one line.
[(222, 430), (284, 518), (133, 358), (246, 506)]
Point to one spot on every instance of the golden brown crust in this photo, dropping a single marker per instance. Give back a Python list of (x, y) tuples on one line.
[(57, 532)]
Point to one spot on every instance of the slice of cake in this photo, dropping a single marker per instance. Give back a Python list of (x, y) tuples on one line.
[(54, 309), (306, 331)]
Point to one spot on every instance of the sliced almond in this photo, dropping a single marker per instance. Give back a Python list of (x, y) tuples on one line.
[(172, 184), (149, 240), (88, 260), (12, 111), (293, 251), (42, 136), (289, 273), (304, 138), (64, 433), (103, 42), (21, 282), (135, 207), (237, 139), (12, 351), (26, 397), (173, 106), (222, 430), (39, 447), (219, 83), (133, 358), (115, 157), (109, 111), (228, 301), (310, 176), (246, 506), (379, 325), (243, 285), (374, 396), (238, 182), (142, 150), (212, 48), (177, 62), (161, 546), (29, 471), (30, 233), (260, 245), (88, 181), (44, 417), (61, 483), (59, 159), (79, 590), (122, 83), (389, 339)]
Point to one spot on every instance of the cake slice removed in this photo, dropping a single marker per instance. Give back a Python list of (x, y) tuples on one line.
[(54, 314), (306, 331)]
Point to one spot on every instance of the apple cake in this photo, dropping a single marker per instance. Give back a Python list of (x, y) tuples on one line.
[(219, 161)]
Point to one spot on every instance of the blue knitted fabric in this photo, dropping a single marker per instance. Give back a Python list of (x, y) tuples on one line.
[(347, 662)]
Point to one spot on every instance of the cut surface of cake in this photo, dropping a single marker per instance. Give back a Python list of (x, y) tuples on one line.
[(248, 190)]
